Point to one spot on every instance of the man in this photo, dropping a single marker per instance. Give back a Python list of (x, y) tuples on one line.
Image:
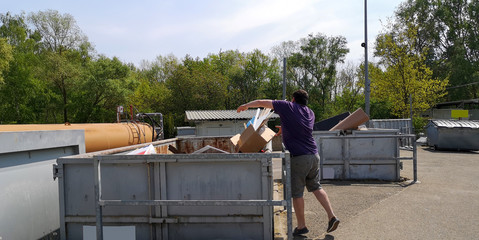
[(297, 122)]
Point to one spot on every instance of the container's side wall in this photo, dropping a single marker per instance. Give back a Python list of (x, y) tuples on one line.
[(213, 181), (79, 189), (28, 201), (432, 135), (29, 198), (81, 231), (125, 182), (360, 157), (232, 231), (458, 138)]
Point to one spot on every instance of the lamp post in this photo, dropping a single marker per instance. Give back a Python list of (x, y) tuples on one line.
[(365, 45), (284, 78)]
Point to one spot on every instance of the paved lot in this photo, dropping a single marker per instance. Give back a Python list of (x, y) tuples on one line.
[(444, 204)]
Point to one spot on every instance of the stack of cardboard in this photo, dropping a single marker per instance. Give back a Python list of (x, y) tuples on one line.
[(256, 135)]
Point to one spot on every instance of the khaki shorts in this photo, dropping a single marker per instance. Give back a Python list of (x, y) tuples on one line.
[(304, 173)]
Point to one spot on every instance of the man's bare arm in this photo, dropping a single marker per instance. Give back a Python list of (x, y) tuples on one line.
[(264, 103)]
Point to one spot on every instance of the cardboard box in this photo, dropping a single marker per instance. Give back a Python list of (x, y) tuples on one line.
[(251, 141), (329, 123), (357, 118)]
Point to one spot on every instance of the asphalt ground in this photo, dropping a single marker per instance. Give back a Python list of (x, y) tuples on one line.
[(443, 204)]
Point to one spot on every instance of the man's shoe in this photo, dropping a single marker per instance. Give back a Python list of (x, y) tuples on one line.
[(333, 224), (301, 231)]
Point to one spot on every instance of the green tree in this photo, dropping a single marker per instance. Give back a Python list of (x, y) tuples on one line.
[(152, 93), (402, 73), (106, 85), (285, 50), (273, 86), (348, 89), (195, 85), (160, 69), (230, 64), (248, 76), (63, 52), (22, 97), (59, 32), (314, 68), (5, 56), (449, 30), (209, 85), (260, 77)]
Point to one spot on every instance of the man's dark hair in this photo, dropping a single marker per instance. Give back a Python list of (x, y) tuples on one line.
[(301, 97)]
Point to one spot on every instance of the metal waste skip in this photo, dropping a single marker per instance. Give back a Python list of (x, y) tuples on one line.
[(371, 154), (453, 134), (171, 196)]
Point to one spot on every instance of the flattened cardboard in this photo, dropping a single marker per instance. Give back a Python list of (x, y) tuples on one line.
[(250, 141), (329, 123), (353, 121)]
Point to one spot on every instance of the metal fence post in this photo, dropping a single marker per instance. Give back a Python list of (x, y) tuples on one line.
[(414, 157), (98, 207), (289, 210), (321, 158)]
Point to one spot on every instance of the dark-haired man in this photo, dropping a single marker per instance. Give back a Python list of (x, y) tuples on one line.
[(297, 122)]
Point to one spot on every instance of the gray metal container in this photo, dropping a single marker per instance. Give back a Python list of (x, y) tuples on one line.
[(403, 125), (453, 134), (28, 194), (175, 177), (359, 155)]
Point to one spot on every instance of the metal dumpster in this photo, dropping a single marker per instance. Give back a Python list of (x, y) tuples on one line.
[(28, 195), (359, 155), (168, 196), (453, 134), (403, 125)]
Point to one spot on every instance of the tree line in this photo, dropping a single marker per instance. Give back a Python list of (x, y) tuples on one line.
[(51, 73)]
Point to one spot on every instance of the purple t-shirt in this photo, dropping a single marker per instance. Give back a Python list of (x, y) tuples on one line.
[(297, 127)]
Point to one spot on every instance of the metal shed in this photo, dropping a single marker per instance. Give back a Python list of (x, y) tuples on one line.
[(453, 134), (220, 122)]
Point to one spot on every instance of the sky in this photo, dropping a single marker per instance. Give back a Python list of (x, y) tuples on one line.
[(140, 30)]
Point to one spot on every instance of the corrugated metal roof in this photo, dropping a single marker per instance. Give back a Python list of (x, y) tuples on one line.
[(208, 115), (456, 123)]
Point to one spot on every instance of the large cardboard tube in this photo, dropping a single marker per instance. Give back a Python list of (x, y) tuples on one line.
[(98, 136)]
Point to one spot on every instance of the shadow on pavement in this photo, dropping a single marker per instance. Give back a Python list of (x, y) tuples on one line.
[(366, 182), (327, 237), (442, 151)]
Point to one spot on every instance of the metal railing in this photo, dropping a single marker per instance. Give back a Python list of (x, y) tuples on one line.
[(100, 203)]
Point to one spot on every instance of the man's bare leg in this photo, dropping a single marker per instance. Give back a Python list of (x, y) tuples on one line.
[(322, 197), (298, 204)]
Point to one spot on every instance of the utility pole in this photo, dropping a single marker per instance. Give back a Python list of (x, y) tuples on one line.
[(365, 45), (284, 79)]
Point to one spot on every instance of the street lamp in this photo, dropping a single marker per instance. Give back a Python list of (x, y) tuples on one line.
[(365, 45)]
